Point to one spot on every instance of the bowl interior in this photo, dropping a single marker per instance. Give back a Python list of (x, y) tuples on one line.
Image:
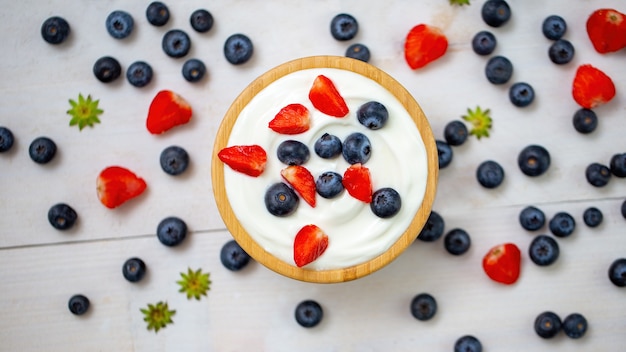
[(334, 275)]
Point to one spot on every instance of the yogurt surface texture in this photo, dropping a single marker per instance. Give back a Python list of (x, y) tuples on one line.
[(398, 160)]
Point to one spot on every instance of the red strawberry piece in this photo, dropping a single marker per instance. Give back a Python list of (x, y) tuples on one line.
[(502, 263), (116, 185), (592, 87), (326, 98), (292, 119), (606, 29), (423, 45), (309, 244), (357, 181), (167, 110), (247, 159), (302, 181)]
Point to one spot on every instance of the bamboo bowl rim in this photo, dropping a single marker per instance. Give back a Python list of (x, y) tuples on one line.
[(333, 275)]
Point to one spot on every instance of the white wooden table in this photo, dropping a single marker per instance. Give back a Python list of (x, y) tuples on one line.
[(253, 310)]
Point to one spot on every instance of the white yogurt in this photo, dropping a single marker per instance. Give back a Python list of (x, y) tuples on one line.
[(356, 235)]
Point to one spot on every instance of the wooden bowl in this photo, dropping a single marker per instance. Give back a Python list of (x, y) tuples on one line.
[(335, 275)]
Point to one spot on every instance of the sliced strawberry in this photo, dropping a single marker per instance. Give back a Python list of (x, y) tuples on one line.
[(592, 87), (247, 159), (502, 263), (423, 45), (309, 244), (357, 181), (167, 110), (116, 185), (292, 119), (326, 98), (302, 181), (606, 29)]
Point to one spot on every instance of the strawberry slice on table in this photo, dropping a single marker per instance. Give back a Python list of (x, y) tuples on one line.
[(166, 111), (302, 181), (606, 29), (326, 98), (592, 87), (116, 185), (423, 45), (357, 181), (292, 119), (309, 244), (247, 159), (502, 263)]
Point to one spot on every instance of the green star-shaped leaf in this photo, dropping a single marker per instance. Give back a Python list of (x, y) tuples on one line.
[(84, 112), (480, 120), (459, 2), (194, 283), (158, 316)]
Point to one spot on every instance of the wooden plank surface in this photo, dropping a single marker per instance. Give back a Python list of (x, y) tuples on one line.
[(253, 310)]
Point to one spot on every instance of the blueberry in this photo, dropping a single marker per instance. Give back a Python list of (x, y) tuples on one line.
[(521, 94), (356, 148), (585, 121), (157, 13), (292, 152), (171, 231), (532, 218), (359, 52), (598, 175), (328, 184), (547, 324), (623, 209), (592, 217), (423, 306), (281, 200), (455, 133), (561, 52), (238, 49), (386, 202), (468, 343), (499, 70), (533, 160), (139, 74), (55, 30), (174, 160), (134, 269), (575, 325), (193, 70), (484, 43), (78, 304), (433, 228), (457, 241), (233, 257), (42, 150), (61, 216), (6, 139), (543, 250), (107, 69), (444, 153), (495, 13), (309, 313), (490, 174), (201, 20), (617, 163), (372, 115), (344, 27), (176, 43), (327, 146), (119, 24), (562, 224), (617, 272), (554, 27)]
